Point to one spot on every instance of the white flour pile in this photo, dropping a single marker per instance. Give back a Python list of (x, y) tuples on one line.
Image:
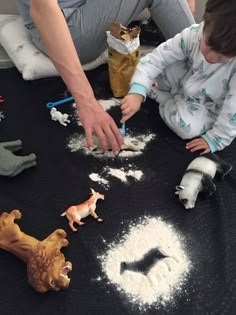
[(122, 174), (133, 146), (166, 276)]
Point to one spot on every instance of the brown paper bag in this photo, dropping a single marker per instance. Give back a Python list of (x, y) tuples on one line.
[(121, 70), (122, 65)]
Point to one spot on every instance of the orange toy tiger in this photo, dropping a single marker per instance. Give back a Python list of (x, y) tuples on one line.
[(78, 212)]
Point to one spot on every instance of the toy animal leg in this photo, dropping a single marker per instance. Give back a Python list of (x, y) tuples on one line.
[(57, 239), (25, 165), (9, 230), (223, 170), (72, 226), (208, 186), (30, 158), (62, 123), (12, 145), (95, 216), (21, 164), (78, 221), (7, 218)]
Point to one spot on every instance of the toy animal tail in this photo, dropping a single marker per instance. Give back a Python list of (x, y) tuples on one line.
[(63, 214)]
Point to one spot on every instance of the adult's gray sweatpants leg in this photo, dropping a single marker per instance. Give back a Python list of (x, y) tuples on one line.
[(88, 24)]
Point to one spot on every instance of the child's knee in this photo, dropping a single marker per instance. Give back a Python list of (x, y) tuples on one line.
[(185, 133), (184, 128)]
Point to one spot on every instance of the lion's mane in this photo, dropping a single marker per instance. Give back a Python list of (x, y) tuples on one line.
[(40, 266)]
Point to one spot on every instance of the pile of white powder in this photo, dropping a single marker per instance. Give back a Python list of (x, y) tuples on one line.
[(164, 279)]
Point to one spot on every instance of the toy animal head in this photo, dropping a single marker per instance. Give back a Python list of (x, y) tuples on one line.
[(46, 265), (47, 269), (187, 196), (97, 195), (53, 110)]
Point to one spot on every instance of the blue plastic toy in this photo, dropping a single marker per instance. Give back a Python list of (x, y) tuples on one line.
[(63, 101)]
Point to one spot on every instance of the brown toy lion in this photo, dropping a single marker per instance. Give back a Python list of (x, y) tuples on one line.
[(46, 266)]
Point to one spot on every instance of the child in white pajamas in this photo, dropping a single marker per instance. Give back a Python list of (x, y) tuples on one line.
[(193, 78)]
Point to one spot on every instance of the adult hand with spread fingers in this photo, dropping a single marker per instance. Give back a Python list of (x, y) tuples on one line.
[(97, 121)]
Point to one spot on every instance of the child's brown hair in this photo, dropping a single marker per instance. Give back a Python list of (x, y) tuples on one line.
[(220, 26)]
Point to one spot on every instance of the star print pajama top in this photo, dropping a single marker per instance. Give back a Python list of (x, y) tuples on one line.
[(195, 98)]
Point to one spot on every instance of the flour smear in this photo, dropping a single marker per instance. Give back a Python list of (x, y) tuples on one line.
[(123, 174), (164, 279), (95, 177), (134, 146)]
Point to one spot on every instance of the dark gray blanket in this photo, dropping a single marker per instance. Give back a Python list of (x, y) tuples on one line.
[(60, 179)]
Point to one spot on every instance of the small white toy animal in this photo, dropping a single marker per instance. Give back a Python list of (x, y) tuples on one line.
[(58, 116), (1, 116), (77, 212), (198, 177)]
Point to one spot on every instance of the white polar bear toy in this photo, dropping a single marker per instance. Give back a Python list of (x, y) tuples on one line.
[(58, 116)]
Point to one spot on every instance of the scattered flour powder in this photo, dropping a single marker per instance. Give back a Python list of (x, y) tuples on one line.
[(166, 276), (134, 145), (118, 173), (107, 104), (96, 178), (122, 175)]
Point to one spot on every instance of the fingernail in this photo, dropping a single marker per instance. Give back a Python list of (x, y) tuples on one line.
[(117, 152), (91, 148)]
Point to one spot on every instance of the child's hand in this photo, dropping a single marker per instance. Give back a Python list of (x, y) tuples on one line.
[(198, 144), (130, 104)]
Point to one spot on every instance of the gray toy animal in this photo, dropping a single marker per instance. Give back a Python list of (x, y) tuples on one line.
[(10, 164)]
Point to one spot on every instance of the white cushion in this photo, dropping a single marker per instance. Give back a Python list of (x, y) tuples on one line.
[(28, 59)]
